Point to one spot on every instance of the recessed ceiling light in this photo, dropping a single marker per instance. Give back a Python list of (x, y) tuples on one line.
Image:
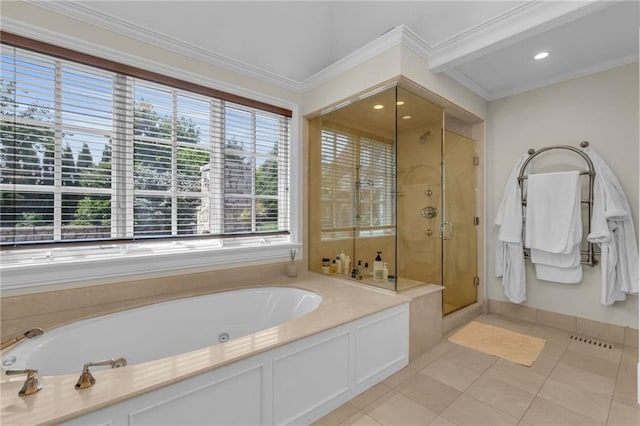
[(541, 55), (400, 103), (378, 106), (406, 117)]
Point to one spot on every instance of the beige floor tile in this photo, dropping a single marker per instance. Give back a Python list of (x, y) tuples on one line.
[(600, 330), (396, 379), (370, 395), (623, 415), (428, 357), (508, 323), (451, 374), (470, 358), (515, 375), (626, 388), (547, 359), (500, 395), (441, 421), (551, 335), (337, 416), (523, 423), (469, 411), (583, 379), (614, 354), (631, 337), (429, 392), (590, 363), (396, 409), (630, 352), (546, 413), (581, 401), (360, 419)]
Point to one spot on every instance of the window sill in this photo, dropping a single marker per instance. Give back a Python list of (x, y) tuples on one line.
[(44, 269)]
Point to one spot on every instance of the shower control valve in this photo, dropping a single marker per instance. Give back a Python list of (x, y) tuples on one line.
[(429, 212)]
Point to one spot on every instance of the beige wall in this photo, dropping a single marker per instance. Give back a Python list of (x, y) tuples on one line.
[(601, 108)]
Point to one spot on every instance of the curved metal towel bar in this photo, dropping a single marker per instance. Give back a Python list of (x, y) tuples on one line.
[(591, 172)]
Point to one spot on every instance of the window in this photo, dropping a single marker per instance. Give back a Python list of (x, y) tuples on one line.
[(358, 181), (89, 154)]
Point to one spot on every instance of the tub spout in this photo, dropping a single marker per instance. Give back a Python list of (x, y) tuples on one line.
[(87, 380), (28, 334)]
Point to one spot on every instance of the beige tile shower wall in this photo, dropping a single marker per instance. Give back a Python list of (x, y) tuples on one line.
[(54, 308), (419, 255), (601, 108)]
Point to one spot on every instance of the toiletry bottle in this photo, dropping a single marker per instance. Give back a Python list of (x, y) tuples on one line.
[(377, 268), (334, 267), (346, 266), (385, 272), (366, 270), (326, 265), (338, 265), (359, 270)]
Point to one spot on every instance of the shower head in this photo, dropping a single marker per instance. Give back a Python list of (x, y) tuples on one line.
[(424, 136)]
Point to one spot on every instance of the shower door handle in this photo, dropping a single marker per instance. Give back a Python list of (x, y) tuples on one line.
[(443, 228)]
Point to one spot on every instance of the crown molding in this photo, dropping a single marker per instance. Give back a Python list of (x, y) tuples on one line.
[(83, 13), (390, 39), (469, 83), (62, 40), (526, 20), (599, 67)]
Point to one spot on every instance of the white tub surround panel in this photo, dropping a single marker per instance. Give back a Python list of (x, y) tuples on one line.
[(298, 370), (294, 384)]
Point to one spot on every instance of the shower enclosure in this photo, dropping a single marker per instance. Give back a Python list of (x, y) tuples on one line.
[(387, 175)]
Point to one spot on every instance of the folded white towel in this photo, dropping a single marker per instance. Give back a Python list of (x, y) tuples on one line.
[(559, 260), (559, 275), (553, 214)]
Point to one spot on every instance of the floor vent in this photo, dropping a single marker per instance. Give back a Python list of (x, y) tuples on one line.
[(593, 342)]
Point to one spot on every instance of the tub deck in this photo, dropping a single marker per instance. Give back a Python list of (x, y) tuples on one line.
[(59, 401)]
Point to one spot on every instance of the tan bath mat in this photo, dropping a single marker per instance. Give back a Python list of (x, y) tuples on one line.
[(500, 342)]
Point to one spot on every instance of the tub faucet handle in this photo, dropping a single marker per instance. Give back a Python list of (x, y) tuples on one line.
[(31, 384), (86, 379)]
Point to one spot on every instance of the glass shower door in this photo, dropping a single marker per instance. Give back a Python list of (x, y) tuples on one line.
[(458, 228)]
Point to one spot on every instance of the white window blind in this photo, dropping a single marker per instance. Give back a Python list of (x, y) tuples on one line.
[(358, 184), (88, 154)]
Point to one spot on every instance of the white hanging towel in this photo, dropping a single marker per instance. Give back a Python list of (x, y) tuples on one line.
[(554, 226), (509, 263), (613, 230)]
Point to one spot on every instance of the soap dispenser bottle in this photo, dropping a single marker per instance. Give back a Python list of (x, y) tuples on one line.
[(377, 268)]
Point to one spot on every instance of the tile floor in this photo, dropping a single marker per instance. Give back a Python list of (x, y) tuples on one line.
[(571, 383)]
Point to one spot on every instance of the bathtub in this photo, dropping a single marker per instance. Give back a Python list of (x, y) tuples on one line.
[(161, 330), (293, 354)]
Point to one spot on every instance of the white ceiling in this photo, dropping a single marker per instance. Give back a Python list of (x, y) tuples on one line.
[(485, 45)]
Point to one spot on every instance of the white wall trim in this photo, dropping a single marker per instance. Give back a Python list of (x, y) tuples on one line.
[(386, 41), (80, 12), (531, 18), (469, 83), (599, 67)]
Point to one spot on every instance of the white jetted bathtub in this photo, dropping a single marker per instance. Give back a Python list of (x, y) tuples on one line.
[(161, 330), (259, 356)]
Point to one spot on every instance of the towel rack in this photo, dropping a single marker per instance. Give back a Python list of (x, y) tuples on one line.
[(587, 256)]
